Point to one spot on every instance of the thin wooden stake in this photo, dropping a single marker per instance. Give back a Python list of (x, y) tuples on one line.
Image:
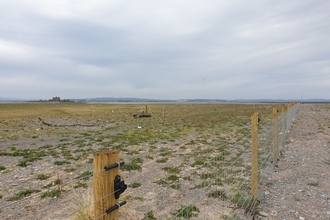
[(103, 183), (254, 183), (283, 124), (275, 136)]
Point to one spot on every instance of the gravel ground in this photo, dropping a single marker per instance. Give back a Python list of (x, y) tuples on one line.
[(300, 189)]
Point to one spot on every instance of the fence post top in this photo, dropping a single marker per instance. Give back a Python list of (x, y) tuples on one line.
[(107, 152)]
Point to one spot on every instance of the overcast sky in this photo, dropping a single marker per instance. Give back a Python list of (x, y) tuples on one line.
[(170, 49)]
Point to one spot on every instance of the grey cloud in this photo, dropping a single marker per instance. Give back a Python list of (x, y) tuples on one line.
[(165, 49)]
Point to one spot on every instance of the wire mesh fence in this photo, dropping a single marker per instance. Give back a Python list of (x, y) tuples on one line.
[(205, 181)]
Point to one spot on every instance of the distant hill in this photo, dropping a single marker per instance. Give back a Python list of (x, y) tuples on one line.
[(112, 99), (4, 100), (131, 99)]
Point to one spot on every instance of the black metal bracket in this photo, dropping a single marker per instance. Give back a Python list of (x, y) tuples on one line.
[(120, 186), (115, 207), (115, 165)]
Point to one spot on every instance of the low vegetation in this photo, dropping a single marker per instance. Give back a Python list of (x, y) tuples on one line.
[(187, 147)]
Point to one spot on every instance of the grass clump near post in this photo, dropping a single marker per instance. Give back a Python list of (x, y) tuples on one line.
[(79, 184), (2, 168), (81, 206), (22, 194), (244, 201), (135, 185), (85, 175), (135, 164)]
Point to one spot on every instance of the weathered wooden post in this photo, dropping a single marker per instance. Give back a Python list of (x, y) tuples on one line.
[(103, 183), (283, 125), (275, 136), (254, 183)]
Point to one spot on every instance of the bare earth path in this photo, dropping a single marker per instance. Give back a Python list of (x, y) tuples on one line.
[(301, 187)]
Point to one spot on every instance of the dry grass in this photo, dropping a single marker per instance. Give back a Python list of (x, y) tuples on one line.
[(82, 206)]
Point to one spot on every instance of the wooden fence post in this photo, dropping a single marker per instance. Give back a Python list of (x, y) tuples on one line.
[(283, 125), (254, 183), (275, 136), (103, 183)]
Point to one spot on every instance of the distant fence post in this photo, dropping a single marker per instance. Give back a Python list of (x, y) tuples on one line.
[(283, 125), (254, 183), (103, 183), (275, 136)]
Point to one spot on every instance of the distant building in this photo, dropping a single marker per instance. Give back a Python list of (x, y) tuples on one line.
[(55, 99)]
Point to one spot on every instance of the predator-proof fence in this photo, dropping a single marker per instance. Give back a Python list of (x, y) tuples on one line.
[(206, 180)]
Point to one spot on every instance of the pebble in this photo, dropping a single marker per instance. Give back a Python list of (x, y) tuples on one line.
[(301, 218), (263, 214)]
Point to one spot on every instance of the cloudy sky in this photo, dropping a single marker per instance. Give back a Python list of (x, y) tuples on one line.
[(173, 49)]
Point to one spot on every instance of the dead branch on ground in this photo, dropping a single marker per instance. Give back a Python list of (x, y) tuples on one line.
[(143, 115), (63, 125)]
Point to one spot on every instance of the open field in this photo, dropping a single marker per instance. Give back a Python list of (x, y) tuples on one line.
[(179, 147)]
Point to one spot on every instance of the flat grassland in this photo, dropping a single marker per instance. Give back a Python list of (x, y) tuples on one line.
[(44, 168)]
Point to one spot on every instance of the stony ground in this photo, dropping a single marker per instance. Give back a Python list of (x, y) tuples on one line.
[(300, 188)]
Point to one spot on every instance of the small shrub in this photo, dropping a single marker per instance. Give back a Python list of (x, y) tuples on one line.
[(217, 194), (149, 157), (135, 185), (202, 185), (162, 160), (172, 169), (57, 182), (131, 166), (22, 194), (85, 175), (243, 201), (22, 163), (198, 161), (42, 176), (2, 168), (79, 184), (70, 169), (173, 178), (53, 193), (149, 216), (137, 160), (187, 211), (162, 182), (59, 162)]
